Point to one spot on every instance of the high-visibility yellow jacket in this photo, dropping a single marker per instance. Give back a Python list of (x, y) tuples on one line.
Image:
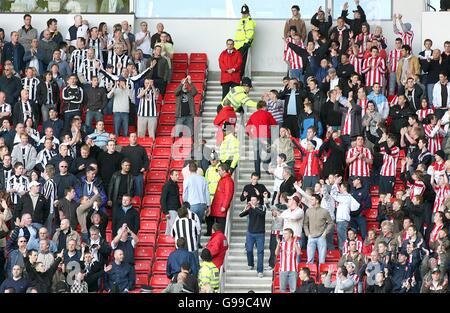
[(209, 275), (245, 32), (212, 178), (229, 150), (238, 97)]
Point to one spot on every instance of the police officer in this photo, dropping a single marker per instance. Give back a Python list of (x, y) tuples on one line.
[(244, 35), (237, 97), (229, 149)]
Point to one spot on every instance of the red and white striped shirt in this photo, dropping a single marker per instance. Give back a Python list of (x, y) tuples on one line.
[(295, 60), (375, 74), (355, 279), (347, 123), (394, 101), (416, 189), (422, 113), (441, 192), (434, 235), (435, 137), (359, 167), (407, 37), (311, 163), (439, 170), (288, 256), (357, 61), (359, 246), (393, 58), (389, 167), (363, 104), (363, 39)]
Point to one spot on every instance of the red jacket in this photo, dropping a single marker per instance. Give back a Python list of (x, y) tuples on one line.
[(223, 196), (227, 114), (258, 125), (218, 246), (229, 61)]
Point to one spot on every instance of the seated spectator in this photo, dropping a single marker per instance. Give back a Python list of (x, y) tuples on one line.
[(98, 247), (93, 270), (119, 276), (177, 287), (208, 273), (342, 284), (64, 234), (16, 281), (38, 276), (125, 214), (44, 255)]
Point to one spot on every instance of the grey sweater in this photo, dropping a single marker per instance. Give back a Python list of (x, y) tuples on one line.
[(339, 285), (25, 37), (122, 98)]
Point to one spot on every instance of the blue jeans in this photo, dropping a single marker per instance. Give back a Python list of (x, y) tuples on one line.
[(296, 73), (260, 146), (309, 181), (430, 88), (330, 243), (181, 123), (109, 106), (91, 115), (121, 121), (359, 223), (319, 243), (288, 278), (139, 185), (342, 233), (392, 83), (251, 240), (199, 209)]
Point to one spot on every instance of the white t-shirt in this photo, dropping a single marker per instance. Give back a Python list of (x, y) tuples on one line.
[(145, 45)]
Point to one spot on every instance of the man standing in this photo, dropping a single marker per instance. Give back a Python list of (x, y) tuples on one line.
[(230, 62), (125, 214), (244, 38), (52, 28), (24, 153), (374, 68), (27, 33), (229, 149), (288, 249), (14, 51), (256, 232), (170, 199), (254, 189), (35, 204), (296, 22), (73, 98), (185, 107), (95, 100), (121, 183), (361, 193), (317, 225), (139, 162), (359, 159), (109, 162), (408, 66), (188, 228), (147, 109), (159, 70), (121, 105), (195, 191), (217, 245), (10, 85), (259, 128)]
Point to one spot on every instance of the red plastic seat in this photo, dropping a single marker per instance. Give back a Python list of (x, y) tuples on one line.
[(162, 227), (141, 279), (180, 58), (198, 77), (373, 225), (157, 176), (198, 58), (179, 67), (149, 152), (178, 77), (151, 201), (108, 119), (176, 164), (169, 98), (136, 202), (159, 281), (142, 266), (170, 88), (153, 189), (312, 268), (168, 108), (372, 214), (159, 164), (197, 68), (181, 153), (151, 214), (147, 226), (164, 130), (143, 253), (332, 256), (163, 141), (145, 141), (183, 141), (167, 119), (165, 241), (161, 153), (159, 268), (123, 141), (146, 240), (162, 253), (324, 268)]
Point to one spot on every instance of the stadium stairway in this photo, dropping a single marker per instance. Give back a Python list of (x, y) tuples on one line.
[(238, 277)]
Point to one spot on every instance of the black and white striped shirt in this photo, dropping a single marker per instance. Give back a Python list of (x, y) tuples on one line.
[(50, 193), (31, 85), (44, 156), (77, 56), (20, 184), (27, 111), (147, 104), (50, 101), (96, 45), (115, 59), (5, 107), (189, 229), (106, 82), (88, 70), (7, 174)]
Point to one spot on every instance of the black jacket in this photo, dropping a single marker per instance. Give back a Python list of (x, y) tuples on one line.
[(433, 69), (345, 71), (11, 87), (329, 116), (94, 98), (334, 35), (114, 184), (415, 98), (385, 288), (58, 158), (108, 164), (355, 116), (400, 117), (17, 114), (2, 176), (42, 91), (300, 96), (323, 27), (25, 205), (138, 157), (288, 186), (256, 220), (64, 181), (8, 54), (131, 218), (251, 190), (307, 286), (104, 250), (356, 24), (94, 272), (104, 221), (170, 197), (42, 281)]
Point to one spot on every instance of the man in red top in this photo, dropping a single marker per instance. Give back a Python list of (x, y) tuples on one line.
[(217, 245), (259, 128), (222, 198), (225, 114), (230, 61)]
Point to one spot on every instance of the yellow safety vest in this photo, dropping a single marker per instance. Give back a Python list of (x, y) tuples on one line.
[(209, 275), (237, 97), (212, 178), (229, 149), (244, 32)]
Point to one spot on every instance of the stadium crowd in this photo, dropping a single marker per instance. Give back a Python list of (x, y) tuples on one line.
[(360, 162)]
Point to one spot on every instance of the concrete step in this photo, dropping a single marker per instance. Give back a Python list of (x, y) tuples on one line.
[(244, 288), (245, 273)]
